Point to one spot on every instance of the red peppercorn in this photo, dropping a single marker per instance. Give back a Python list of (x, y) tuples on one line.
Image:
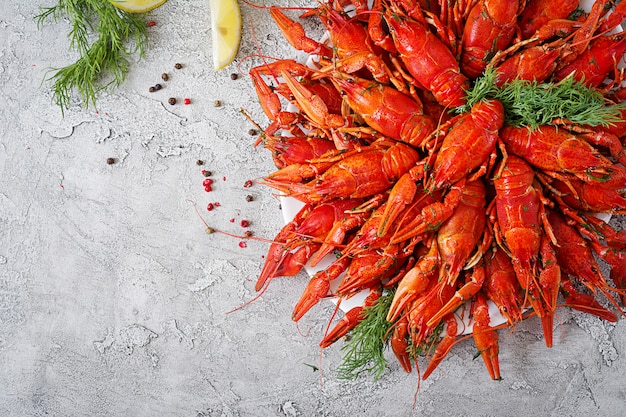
[(208, 188), (232, 220), (210, 207), (224, 178), (247, 184), (187, 101), (243, 244), (151, 23), (207, 182), (217, 204), (245, 223)]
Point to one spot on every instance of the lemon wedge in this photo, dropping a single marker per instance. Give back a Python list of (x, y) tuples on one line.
[(137, 6), (226, 31)]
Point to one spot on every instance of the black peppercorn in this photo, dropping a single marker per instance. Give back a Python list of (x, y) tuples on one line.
[(172, 101), (165, 77), (110, 161), (178, 66)]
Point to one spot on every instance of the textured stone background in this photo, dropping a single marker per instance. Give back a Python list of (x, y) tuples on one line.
[(113, 300)]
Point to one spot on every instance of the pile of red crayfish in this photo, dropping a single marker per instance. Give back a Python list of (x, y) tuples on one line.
[(442, 201)]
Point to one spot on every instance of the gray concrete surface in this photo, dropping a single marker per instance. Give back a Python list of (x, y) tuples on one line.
[(114, 301)]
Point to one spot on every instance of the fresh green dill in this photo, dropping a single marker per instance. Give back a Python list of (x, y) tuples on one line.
[(365, 350), (102, 63), (532, 104)]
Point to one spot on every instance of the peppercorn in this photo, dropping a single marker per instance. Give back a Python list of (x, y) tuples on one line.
[(178, 66), (253, 132), (217, 103), (199, 162), (110, 161), (207, 173), (172, 101), (249, 198), (157, 87), (152, 89), (234, 76), (165, 77), (187, 101)]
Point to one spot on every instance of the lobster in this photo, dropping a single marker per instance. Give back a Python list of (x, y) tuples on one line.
[(594, 64), (427, 58), (300, 238), (501, 285), (518, 228), (587, 196), (556, 150), (490, 28), (415, 282), (467, 145), (350, 319), (459, 235), (485, 337), (385, 109), (348, 37), (362, 174), (538, 13), (539, 61)]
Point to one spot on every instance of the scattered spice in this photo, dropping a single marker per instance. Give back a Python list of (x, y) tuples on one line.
[(217, 103), (165, 77), (234, 76), (206, 173), (224, 178), (243, 244), (157, 87), (232, 220), (208, 188), (218, 204), (172, 101), (110, 161), (200, 162), (248, 233), (178, 65), (187, 101), (209, 230), (245, 223), (151, 23), (247, 184), (249, 198), (152, 89), (207, 182), (253, 132), (210, 207)]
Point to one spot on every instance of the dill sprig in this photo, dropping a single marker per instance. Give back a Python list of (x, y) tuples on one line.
[(532, 104), (364, 352), (108, 55)]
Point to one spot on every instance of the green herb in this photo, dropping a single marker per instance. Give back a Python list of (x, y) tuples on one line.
[(528, 103), (315, 368), (107, 55), (365, 350)]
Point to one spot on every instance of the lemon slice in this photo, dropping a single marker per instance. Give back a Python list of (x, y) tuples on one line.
[(226, 31), (137, 6)]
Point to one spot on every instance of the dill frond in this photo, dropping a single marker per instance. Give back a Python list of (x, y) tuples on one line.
[(364, 352), (106, 57), (532, 104)]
